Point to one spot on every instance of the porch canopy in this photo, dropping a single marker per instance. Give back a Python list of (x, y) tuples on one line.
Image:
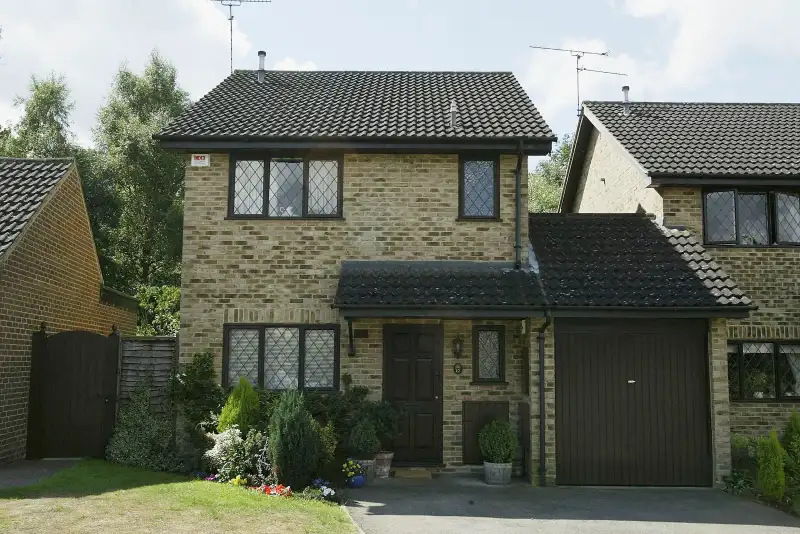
[(457, 289)]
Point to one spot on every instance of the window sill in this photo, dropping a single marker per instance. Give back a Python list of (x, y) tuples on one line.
[(260, 218), (479, 219), (786, 400), (488, 383)]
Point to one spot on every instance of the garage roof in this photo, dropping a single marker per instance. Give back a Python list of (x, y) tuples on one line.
[(626, 261)]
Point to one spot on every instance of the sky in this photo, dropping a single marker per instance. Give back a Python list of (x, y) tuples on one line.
[(678, 50)]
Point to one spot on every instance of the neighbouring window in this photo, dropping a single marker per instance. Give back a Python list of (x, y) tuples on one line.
[(282, 357), (488, 354), (740, 217), (286, 187), (479, 188), (763, 370)]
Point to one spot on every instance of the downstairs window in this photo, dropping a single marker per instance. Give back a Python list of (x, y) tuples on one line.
[(764, 370)]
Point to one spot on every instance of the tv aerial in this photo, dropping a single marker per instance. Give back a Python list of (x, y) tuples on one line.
[(230, 4), (578, 54)]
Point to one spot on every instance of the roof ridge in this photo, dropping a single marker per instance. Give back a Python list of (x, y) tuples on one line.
[(692, 102), (391, 71)]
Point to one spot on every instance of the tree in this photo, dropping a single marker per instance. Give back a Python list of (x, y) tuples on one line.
[(546, 181), (44, 129), (148, 181)]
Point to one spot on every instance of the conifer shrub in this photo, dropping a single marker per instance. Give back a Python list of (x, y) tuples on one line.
[(295, 445), (770, 458), (241, 408)]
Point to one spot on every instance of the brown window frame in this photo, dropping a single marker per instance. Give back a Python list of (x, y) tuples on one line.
[(476, 378), (265, 159), (495, 159), (772, 216), (261, 328), (776, 346)]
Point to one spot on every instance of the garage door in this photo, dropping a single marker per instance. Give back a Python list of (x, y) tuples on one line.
[(632, 403)]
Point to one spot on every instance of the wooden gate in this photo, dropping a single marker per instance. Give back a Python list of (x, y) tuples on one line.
[(72, 394)]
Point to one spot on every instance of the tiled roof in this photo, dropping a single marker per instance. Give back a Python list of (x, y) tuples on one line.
[(710, 139), (625, 260), (365, 105), (436, 284), (24, 184)]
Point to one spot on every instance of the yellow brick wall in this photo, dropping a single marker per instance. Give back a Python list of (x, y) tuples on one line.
[(51, 275), (611, 183), (401, 207)]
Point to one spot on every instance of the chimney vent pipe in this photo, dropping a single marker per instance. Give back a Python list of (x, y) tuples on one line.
[(453, 114), (262, 55), (626, 103)]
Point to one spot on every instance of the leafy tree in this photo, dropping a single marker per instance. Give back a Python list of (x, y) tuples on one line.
[(149, 181), (159, 310), (44, 129), (546, 181)]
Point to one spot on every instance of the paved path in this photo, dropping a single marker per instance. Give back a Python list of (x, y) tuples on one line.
[(27, 472), (465, 505)]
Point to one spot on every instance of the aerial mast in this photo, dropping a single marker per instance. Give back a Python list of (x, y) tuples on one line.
[(230, 5), (578, 54)]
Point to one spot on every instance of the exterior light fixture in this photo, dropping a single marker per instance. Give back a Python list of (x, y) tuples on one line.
[(458, 346)]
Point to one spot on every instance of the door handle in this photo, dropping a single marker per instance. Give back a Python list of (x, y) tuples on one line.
[(631, 381), (436, 397)]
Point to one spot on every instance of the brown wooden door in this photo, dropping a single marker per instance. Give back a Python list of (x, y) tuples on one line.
[(412, 381), (72, 395), (632, 403)]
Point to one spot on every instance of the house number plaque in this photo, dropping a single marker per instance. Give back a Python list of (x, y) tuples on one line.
[(457, 368)]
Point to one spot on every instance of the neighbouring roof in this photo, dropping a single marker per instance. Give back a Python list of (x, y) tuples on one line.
[(626, 260), (354, 105), (436, 285), (704, 138), (24, 186)]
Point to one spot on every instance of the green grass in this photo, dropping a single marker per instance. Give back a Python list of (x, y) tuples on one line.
[(96, 496)]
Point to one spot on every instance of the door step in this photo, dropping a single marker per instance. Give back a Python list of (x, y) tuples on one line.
[(412, 472)]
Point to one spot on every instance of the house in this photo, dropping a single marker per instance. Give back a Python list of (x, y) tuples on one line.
[(367, 228), (49, 272), (729, 175)]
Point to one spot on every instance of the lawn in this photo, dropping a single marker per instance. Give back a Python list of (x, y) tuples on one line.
[(96, 496)]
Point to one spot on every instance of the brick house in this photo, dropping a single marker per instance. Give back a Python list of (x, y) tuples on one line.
[(367, 228), (729, 175), (49, 273)]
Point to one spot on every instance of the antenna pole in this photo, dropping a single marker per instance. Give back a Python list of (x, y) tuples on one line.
[(578, 56), (230, 10)]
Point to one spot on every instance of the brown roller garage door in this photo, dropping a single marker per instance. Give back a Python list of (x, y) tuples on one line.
[(632, 403)]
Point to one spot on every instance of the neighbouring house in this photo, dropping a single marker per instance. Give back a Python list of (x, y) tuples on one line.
[(729, 175), (367, 228), (49, 273)]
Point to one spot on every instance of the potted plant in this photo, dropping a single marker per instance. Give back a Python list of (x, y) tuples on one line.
[(386, 419), (354, 474), (498, 445), (362, 444)]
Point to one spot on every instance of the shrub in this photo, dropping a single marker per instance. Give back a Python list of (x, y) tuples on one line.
[(737, 482), (142, 437), (327, 437), (386, 419), (241, 408), (197, 391), (256, 450), (294, 444), (159, 310), (770, 459), (363, 440), (792, 467), (498, 442), (227, 457), (792, 430)]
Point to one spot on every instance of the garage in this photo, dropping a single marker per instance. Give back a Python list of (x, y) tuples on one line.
[(632, 402)]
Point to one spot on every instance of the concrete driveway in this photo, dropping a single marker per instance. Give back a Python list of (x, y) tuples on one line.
[(464, 505)]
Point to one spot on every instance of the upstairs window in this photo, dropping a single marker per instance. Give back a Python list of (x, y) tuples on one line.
[(479, 188), (748, 218), (279, 187), (280, 357)]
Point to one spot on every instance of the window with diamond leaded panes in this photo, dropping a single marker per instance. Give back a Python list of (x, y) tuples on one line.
[(282, 357), (488, 354), (286, 188), (764, 370), (479, 188), (751, 218)]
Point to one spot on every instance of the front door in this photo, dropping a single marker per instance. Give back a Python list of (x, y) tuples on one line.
[(412, 382)]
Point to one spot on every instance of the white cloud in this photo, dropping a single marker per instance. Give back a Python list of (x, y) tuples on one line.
[(87, 41), (289, 63)]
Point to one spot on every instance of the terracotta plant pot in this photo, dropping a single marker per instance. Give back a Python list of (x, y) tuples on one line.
[(357, 481), (497, 474), (383, 464)]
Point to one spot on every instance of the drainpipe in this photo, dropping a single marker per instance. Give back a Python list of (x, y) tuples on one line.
[(518, 215), (540, 338)]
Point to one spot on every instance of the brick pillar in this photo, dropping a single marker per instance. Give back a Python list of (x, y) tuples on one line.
[(549, 402), (720, 399)]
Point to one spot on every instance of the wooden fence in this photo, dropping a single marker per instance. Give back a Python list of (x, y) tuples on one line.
[(151, 361)]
